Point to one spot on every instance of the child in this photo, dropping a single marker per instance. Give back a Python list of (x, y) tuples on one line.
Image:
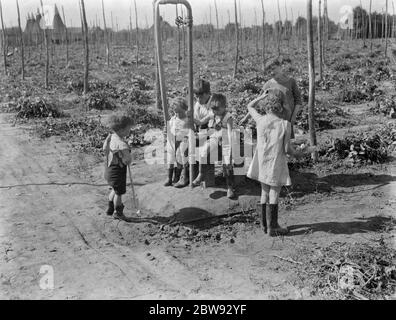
[(221, 121), (269, 165), (118, 157), (175, 147)]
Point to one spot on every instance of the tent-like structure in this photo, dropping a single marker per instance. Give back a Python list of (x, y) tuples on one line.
[(34, 31)]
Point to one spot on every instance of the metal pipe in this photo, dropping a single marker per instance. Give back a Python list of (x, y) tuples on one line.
[(158, 41)]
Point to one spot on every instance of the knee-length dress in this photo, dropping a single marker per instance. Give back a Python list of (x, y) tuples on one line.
[(269, 165)]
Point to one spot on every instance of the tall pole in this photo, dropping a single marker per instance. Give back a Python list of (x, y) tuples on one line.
[(22, 44), (3, 39), (218, 28), (46, 48), (263, 34), (86, 64), (107, 36), (311, 65), (320, 41), (370, 28), (66, 37), (386, 28), (158, 101), (279, 30), (137, 35), (236, 40), (178, 41)]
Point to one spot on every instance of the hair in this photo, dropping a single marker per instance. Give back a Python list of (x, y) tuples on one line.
[(180, 102), (219, 98), (272, 103), (118, 122)]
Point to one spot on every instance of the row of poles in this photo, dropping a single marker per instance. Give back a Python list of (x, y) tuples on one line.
[(161, 86), (279, 33)]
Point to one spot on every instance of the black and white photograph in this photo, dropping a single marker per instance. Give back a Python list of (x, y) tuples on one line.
[(214, 152)]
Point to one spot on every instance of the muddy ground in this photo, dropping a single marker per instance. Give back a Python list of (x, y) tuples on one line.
[(53, 199)]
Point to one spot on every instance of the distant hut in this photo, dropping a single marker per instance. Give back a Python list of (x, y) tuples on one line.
[(34, 32)]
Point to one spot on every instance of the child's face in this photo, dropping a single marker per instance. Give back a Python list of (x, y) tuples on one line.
[(203, 98), (218, 108), (180, 112), (125, 132)]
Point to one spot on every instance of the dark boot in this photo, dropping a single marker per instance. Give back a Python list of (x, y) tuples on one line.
[(184, 177), (119, 213), (201, 175), (272, 222), (110, 209), (170, 176), (262, 210), (177, 174)]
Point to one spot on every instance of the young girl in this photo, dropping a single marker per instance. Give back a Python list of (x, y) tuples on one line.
[(269, 165), (222, 123), (118, 157), (175, 148)]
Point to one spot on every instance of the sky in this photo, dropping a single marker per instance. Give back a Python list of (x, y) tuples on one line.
[(202, 10)]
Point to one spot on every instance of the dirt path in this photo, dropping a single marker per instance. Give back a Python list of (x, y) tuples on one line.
[(50, 216)]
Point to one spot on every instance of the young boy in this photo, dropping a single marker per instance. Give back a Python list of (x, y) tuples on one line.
[(118, 157), (221, 121), (175, 147)]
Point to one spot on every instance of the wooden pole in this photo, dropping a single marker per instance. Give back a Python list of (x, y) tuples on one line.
[(236, 40), (393, 20), (178, 41), (386, 28), (158, 101), (263, 34), (326, 32), (86, 65), (218, 28), (106, 35), (370, 28), (311, 65), (3, 39), (320, 38), (66, 37), (47, 50), (21, 39), (279, 31), (137, 35)]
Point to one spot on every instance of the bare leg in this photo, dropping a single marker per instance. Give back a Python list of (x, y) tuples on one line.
[(117, 201), (111, 195), (265, 191), (110, 209), (274, 195)]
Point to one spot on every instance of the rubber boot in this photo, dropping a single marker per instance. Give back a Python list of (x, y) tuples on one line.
[(177, 174), (272, 221), (110, 209), (119, 213), (171, 169), (262, 211), (184, 177), (201, 175)]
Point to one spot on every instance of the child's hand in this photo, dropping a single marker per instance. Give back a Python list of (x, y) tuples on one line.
[(306, 149)]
